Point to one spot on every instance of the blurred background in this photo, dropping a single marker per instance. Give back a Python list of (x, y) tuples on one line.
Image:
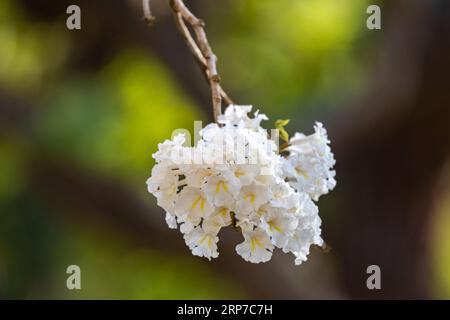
[(82, 111)]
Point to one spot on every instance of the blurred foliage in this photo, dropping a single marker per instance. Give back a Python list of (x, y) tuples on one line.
[(37, 245), (441, 248), (24, 50), (282, 55), (114, 120), (12, 169), (110, 121)]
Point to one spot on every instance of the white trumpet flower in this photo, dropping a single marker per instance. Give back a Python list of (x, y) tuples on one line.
[(234, 176), (310, 163), (222, 189), (251, 198), (256, 247), (280, 226), (202, 243)]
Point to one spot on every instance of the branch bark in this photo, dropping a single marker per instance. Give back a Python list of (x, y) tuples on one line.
[(199, 47), (148, 16)]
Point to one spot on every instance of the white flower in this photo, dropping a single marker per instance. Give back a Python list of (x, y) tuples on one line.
[(246, 224), (251, 198), (235, 176), (256, 247), (307, 231), (310, 162), (202, 243), (255, 123), (219, 219), (164, 185), (171, 220), (235, 115), (222, 189), (279, 225), (281, 191), (197, 175), (191, 206), (245, 173), (169, 148)]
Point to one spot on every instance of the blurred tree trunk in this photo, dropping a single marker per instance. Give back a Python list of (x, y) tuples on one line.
[(393, 158)]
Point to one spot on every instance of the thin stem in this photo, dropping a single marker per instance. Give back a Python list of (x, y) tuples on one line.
[(201, 50), (148, 16), (197, 53), (199, 47)]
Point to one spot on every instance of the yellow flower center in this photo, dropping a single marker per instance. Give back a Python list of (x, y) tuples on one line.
[(254, 243), (221, 184), (301, 172), (199, 201), (250, 197), (273, 226), (239, 173), (223, 212)]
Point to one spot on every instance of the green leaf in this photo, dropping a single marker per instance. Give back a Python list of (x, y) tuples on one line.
[(283, 134), (281, 123)]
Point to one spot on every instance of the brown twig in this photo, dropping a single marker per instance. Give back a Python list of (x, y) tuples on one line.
[(148, 16), (197, 53), (199, 47)]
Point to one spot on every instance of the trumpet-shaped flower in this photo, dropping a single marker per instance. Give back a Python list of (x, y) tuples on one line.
[(256, 247), (222, 189), (251, 198), (234, 176), (202, 243), (191, 206), (310, 163), (279, 225)]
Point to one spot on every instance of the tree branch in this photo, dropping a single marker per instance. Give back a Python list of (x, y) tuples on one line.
[(199, 47), (148, 16)]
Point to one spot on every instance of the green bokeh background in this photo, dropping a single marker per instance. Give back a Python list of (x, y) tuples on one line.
[(109, 119)]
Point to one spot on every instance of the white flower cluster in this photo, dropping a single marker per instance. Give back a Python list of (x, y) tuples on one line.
[(236, 176)]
